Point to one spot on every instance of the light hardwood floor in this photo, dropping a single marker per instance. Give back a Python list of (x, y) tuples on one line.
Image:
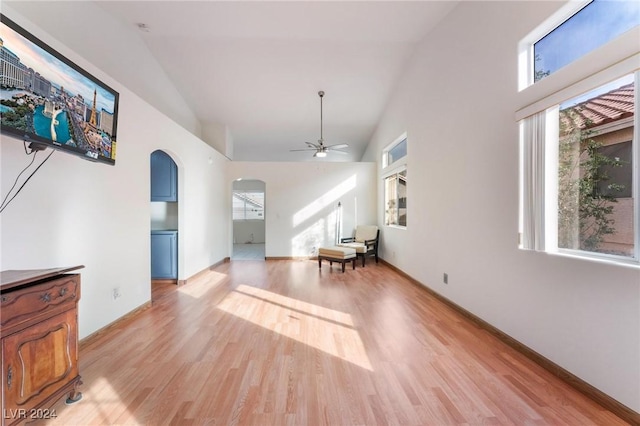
[(248, 251), (280, 342)]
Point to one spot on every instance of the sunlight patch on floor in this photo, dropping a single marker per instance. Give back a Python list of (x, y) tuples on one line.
[(106, 401), (201, 285), (298, 305), (324, 329)]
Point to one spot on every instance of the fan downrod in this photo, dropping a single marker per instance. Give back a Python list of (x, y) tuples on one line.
[(321, 141), (320, 148)]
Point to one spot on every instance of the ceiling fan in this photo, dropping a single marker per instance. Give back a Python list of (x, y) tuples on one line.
[(320, 148)]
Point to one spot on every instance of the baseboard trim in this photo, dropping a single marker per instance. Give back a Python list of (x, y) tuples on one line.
[(291, 258), (574, 381), (96, 335), (204, 271), (164, 281)]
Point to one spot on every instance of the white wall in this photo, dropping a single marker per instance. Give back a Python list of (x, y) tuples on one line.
[(218, 136), (302, 201), (456, 101), (76, 212)]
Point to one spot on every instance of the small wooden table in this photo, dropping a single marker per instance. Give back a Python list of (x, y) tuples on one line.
[(39, 322)]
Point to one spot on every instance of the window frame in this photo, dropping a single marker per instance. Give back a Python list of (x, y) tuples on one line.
[(613, 54), (526, 56), (390, 169), (244, 191), (402, 161), (544, 209), (395, 173), (613, 60)]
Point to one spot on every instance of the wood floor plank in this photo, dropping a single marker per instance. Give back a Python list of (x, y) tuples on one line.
[(281, 342)]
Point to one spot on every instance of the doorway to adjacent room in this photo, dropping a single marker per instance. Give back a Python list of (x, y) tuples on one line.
[(164, 223), (249, 230)]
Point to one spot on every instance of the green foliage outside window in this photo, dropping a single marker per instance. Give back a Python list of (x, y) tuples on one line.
[(584, 213)]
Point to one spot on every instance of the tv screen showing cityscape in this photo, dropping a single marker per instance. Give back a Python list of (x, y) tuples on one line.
[(48, 100)]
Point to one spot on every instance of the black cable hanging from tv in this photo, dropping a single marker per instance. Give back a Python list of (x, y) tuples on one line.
[(33, 150)]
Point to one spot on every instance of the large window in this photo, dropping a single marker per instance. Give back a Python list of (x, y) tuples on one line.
[(248, 205), (579, 138), (595, 171), (394, 164)]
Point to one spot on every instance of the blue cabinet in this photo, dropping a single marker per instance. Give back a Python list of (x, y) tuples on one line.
[(164, 177), (164, 254)]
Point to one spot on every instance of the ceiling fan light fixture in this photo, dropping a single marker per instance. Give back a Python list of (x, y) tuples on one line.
[(321, 150)]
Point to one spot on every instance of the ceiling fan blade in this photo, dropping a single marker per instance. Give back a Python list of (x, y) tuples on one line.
[(305, 149), (313, 145), (337, 151), (338, 146)]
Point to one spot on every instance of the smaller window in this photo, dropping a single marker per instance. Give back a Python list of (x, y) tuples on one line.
[(591, 27), (248, 205), (395, 200), (394, 153)]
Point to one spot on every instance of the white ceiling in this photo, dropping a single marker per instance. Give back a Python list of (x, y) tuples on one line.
[(255, 67)]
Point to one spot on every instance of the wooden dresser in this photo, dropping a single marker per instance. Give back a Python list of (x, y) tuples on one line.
[(39, 334)]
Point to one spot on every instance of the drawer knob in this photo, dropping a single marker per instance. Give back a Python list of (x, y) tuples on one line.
[(46, 298), (63, 291), (5, 298)]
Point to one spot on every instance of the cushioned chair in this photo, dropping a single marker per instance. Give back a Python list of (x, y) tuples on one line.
[(364, 241)]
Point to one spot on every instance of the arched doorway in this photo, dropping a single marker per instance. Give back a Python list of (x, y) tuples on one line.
[(248, 215), (164, 221)]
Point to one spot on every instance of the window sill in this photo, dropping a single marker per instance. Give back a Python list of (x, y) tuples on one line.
[(613, 260)]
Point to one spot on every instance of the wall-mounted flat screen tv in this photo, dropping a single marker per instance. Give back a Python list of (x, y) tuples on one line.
[(50, 102)]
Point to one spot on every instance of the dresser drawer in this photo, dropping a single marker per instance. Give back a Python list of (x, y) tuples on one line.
[(20, 305)]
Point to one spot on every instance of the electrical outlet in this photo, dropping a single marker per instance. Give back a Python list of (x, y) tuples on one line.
[(445, 278), (116, 293)]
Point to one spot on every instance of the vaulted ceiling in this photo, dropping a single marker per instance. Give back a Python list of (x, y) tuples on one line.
[(253, 69)]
